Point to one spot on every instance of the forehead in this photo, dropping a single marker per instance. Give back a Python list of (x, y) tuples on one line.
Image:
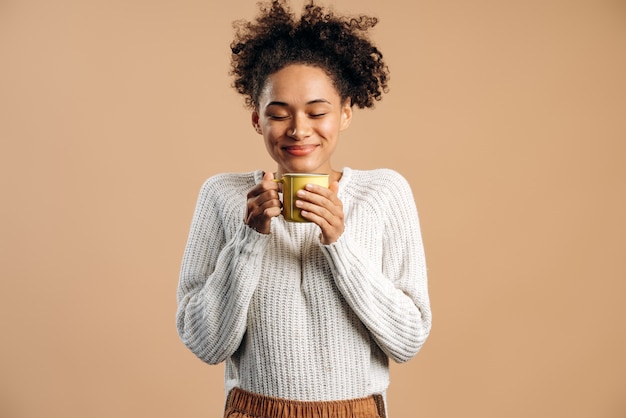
[(298, 82)]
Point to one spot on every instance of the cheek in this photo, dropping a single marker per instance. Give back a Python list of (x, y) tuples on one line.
[(272, 133), (330, 126)]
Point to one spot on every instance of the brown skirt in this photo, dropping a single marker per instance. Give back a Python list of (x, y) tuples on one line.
[(244, 404)]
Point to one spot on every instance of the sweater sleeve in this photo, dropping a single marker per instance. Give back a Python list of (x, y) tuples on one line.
[(217, 280), (390, 297)]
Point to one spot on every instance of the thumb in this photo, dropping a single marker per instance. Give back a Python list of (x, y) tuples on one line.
[(268, 176)]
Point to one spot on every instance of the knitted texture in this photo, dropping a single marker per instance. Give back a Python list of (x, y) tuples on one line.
[(296, 319)]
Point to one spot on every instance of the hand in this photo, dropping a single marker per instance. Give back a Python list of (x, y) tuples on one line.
[(322, 206), (263, 204)]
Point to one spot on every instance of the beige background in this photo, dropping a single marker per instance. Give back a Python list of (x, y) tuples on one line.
[(507, 117)]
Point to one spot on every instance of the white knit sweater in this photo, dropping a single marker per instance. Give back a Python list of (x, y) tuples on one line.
[(296, 319)]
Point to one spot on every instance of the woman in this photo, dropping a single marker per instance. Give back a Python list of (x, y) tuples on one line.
[(305, 315)]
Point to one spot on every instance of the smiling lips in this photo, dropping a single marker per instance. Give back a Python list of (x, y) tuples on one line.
[(300, 150)]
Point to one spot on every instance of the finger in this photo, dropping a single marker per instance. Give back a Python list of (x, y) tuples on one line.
[(264, 186), (325, 213), (269, 200), (328, 200), (268, 176), (331, 231), (268, 196), (259, 217), (268, 182), (329, 193), (264, 196), (260, 209)]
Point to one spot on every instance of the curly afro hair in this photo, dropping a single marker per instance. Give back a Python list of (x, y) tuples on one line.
[(336, 44)]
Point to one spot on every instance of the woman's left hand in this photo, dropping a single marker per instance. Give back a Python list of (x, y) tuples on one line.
[(321, 206)]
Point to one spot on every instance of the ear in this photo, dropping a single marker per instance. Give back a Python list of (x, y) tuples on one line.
[(346, 115), (255, 121)]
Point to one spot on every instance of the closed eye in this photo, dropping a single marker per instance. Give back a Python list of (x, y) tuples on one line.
[(278, 117)]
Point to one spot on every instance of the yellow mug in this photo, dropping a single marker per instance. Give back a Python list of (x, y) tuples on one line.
[(292, 182)]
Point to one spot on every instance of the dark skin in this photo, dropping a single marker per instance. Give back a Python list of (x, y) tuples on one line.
[(300, 115), (319, 205)]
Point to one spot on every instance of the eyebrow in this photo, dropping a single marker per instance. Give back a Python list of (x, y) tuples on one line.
[(283, 104)]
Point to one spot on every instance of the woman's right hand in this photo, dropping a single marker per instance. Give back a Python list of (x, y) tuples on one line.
[(263, 204)]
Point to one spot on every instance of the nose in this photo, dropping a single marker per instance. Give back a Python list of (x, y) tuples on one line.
[(300, 128)]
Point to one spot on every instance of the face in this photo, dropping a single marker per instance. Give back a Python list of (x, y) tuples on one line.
[(300, 115)]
